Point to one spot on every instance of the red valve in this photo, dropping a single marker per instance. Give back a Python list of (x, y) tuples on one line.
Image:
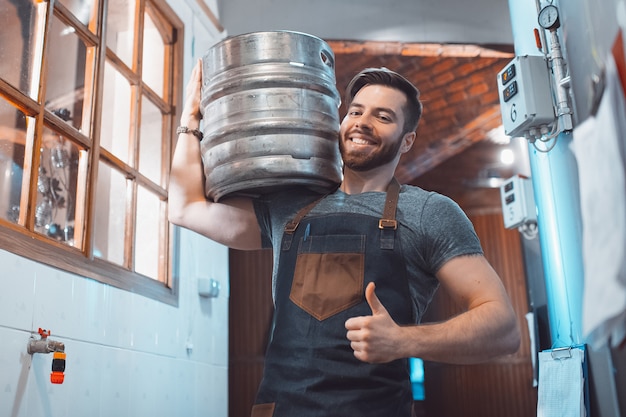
[(44, 333), (58, 368), (538, 39)]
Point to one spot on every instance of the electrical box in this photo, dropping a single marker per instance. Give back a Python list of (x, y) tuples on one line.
[(518, 202), (525, 95)]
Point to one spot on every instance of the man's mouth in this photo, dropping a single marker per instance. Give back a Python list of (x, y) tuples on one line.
[(361, 141), (359, 138)]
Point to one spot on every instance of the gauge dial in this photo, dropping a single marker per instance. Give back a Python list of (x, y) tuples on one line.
[(549, 17)]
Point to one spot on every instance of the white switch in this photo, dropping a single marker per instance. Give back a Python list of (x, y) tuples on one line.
[(209, 288)]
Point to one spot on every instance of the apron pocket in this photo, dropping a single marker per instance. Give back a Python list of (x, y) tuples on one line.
[(329, 273), (263, 410)]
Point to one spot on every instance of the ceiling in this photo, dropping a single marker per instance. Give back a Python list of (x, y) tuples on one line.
[(451, 50), (440, 21)]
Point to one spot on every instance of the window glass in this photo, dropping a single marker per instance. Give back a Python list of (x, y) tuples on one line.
[(66, 74), (59, 182), (97, 169), (115, 130), (20, 41), (153, 63), (84, 10), (12, 140), (121, 29), (148, 234), (151, 144), (110, 218)]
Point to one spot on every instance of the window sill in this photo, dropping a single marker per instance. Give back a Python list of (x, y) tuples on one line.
[(37, 248)]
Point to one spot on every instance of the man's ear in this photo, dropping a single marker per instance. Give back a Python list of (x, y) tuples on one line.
[(407, 142)]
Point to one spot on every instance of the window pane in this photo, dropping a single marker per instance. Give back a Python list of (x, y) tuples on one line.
[(115, 131), (148, 237), (12, 140), (110, 214), (121, 29), (60, 183), (151, 145), (84, 10), (153, 56), (66, 74), (20, 38)]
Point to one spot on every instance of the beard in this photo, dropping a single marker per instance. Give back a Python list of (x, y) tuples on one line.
[(365, 161)]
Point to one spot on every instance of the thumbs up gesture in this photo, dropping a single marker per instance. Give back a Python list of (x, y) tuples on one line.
[(373, 338)]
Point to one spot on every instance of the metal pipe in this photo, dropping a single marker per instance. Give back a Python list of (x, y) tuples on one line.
[(44, 345), (564, 112), (555, 183)]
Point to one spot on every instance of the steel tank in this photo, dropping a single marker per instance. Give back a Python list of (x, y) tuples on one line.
[(270, 114)]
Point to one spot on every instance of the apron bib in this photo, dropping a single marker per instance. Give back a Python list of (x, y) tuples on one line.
[(326, 263)]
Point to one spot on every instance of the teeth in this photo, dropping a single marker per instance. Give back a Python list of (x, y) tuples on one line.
[(360, 141)]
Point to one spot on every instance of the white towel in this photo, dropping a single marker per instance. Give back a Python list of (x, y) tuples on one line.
[(602, 181), (561, 384)]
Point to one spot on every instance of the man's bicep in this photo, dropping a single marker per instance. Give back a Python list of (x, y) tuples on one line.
[(470, 281)]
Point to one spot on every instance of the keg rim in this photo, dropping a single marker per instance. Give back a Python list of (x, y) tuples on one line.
[(231, 38)]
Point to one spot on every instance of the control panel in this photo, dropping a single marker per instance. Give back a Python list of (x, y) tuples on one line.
[(518, 202), (525, 95)]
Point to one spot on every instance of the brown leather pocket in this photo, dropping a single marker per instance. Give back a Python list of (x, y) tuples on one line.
[(263, 410), (328, 276)]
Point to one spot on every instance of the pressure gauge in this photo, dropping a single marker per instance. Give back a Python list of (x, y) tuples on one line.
[(549, 17)]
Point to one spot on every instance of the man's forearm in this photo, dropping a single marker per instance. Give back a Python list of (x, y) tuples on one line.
[(480, 334), (186, 178)]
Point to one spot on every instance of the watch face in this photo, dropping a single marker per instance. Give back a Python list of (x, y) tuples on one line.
[(548, 16)]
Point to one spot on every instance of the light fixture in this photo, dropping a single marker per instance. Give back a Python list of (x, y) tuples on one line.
[(507, 157)]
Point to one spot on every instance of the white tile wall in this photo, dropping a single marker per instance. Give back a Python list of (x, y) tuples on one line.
[(126, 354), (15, 364), (16, 303)]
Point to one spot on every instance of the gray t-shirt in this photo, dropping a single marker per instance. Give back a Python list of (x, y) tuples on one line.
[(433, 229)]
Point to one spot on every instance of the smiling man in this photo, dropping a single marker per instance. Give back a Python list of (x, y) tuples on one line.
[(355, 270)]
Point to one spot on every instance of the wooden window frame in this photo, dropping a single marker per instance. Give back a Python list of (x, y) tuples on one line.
[(20, 238)]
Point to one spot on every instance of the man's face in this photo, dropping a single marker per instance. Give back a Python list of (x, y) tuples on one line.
[(371, 134)]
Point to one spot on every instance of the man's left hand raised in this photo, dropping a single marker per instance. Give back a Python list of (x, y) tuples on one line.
[(372, 337)]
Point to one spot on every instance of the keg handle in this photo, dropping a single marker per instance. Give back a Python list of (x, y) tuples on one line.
[(327, 58)]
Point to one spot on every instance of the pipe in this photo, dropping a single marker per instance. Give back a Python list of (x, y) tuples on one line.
[(555, 183), (44, 345), (564, 112)]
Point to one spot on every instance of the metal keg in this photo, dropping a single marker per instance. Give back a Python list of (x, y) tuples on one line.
[(270, 114)]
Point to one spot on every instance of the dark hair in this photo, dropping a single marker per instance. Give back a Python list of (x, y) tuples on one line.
[(388, 78)]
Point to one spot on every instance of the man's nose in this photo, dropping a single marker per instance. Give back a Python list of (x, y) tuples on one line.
[(363, 122)]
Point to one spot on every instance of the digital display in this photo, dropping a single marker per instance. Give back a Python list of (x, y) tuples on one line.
[(509, 199), (510, 91), (508, 186), (508, 74)]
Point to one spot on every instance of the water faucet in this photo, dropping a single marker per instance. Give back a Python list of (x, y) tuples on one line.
[(45, 345)]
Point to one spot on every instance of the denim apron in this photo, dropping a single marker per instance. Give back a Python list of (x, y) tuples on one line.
[(326, 263)]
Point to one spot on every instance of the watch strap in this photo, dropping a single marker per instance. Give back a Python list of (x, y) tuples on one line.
[(184, 129)]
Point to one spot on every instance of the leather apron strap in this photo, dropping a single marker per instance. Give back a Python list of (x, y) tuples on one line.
[(387, 224)]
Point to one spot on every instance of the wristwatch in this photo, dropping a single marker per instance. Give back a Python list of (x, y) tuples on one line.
[(184, 129)]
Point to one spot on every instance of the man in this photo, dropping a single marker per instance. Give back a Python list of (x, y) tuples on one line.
[(355, 270)]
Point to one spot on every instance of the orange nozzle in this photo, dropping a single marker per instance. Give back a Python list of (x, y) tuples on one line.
[(58, 368)]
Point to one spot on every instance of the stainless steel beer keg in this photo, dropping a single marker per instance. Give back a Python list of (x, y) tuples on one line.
[(270, 114)]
